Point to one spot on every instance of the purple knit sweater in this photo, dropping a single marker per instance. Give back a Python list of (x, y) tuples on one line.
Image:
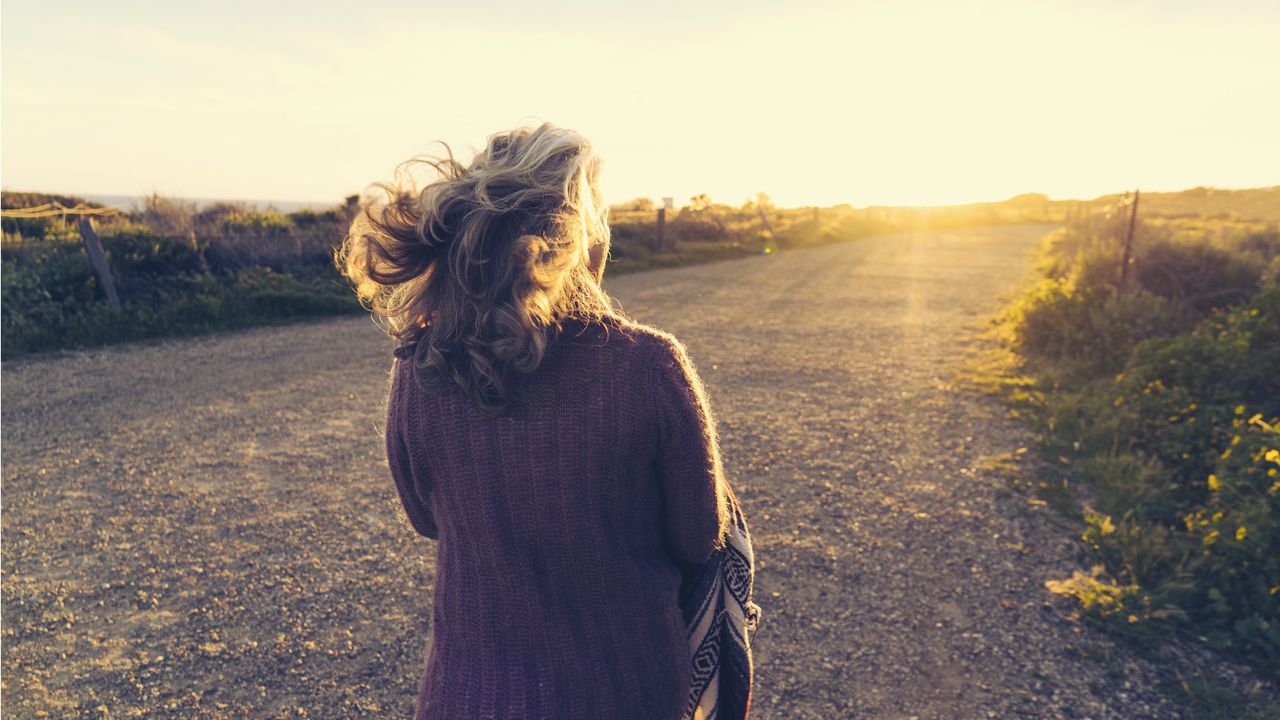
[(562, 528)]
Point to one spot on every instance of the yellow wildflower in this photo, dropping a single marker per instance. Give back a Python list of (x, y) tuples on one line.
[(1240, 533), (1211, 538), (1213, 482), (1106, 527)]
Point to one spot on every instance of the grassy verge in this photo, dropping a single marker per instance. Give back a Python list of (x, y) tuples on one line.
[(1155, 398), (63, 310), (60, 306), (254, 268)]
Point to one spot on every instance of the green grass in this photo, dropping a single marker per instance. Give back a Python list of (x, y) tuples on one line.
[(1205, 696)]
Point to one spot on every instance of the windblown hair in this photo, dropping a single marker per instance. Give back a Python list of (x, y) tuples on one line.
[(474, 273)]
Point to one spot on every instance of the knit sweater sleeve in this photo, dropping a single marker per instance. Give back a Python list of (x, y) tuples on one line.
[(695, 505), (398, 459)]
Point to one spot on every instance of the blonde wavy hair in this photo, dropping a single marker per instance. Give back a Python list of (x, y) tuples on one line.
[(474, 273)]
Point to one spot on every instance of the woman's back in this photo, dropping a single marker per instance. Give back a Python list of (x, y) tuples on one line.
[(563, 526), (564, 457)]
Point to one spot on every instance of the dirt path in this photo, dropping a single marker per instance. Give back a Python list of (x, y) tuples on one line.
[(205, 527)]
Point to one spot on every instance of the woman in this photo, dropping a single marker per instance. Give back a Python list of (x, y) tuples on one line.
[(564, 457)]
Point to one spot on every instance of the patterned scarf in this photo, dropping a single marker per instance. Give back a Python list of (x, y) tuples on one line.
[(717, 606)]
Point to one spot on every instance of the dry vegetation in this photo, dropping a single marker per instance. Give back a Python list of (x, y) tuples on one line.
[(182, 269), (1155, 398)]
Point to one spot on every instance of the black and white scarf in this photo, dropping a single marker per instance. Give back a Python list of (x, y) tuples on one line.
[(717, 607)]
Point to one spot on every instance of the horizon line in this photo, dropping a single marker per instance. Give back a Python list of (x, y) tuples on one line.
[(657, 199)]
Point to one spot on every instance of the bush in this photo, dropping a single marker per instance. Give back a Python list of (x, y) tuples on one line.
[(1181, 394), (310, 218), (1173, 423), (49, 296), (1082, 311), (1233, 543), (1163, 395), (1197, 275), (141, 255), (1095, 329)]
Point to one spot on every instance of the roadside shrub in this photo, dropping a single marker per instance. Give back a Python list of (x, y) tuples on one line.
[(1093, 328), (1172, 422), (1181, 394), (1197, 275), (167, 215), (1162, 395), (257, 225), (310, 218), (140, 254), (1262, 243), (1234, 543), (55, 268), (26, 228), (49, 296)]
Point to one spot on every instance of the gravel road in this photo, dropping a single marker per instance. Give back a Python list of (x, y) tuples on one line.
[(205, 527)]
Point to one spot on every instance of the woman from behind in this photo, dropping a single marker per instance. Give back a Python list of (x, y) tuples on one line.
[(564, 457)]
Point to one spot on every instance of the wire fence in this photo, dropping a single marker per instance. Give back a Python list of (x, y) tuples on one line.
[(55, 209)]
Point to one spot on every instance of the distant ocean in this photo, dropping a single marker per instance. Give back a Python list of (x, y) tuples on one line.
[(134, 202)]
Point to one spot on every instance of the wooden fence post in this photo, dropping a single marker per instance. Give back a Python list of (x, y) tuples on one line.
[(1128, 243), (99, 260), (765, 218)]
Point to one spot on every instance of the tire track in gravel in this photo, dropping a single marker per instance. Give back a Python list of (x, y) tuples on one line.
[(205, 527)]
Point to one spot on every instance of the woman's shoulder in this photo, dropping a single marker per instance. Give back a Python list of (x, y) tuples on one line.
[(659, 345), (621, 333)]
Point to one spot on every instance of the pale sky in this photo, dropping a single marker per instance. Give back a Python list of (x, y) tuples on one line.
[(812, 102)]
